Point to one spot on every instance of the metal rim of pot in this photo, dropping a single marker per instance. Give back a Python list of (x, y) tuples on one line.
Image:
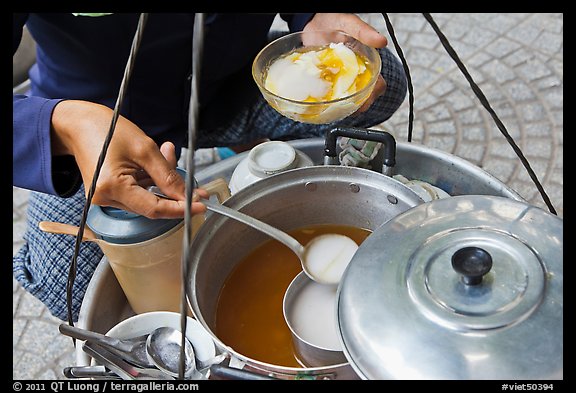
[(472, 289)]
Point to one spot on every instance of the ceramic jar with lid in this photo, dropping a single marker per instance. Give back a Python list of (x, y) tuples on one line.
[(264, 160)]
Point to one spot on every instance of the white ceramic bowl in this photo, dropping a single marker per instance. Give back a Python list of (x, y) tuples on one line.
[(140, 324)]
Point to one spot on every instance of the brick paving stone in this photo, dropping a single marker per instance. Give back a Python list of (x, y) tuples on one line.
[(442, 87), (18, 228), (423, 57), (423, 40), (520, 90), (500, 71), (460, 100), (408, 23), (471, 152), (29, 307), (524, 33), (502, 47), (478, 36)]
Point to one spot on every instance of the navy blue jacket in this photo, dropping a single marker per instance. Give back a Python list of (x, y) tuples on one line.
[(81, 57)]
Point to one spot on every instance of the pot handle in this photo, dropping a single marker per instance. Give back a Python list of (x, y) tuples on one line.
[(331, 157), (226, 372), (218, 187)]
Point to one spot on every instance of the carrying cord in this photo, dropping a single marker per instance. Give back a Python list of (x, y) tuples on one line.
[(123, 88), (477, 91), (407, 71), (197, 47)]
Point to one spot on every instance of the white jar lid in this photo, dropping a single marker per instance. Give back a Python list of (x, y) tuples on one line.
[(264, 160), (271, 157)]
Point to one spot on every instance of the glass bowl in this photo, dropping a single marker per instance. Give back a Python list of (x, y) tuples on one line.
[(315, 110)]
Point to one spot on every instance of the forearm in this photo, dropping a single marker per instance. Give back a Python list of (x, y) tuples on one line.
[(76, 123)]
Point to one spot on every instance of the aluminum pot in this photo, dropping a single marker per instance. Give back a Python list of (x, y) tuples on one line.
[(290, 200), (468, 287)]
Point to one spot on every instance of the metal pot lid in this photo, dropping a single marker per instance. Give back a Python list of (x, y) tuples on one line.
[(468, 287), (119, 226)]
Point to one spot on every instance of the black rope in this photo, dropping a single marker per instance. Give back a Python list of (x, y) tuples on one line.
[(123, 88), (407, 71), (197, 48), (486, 105)]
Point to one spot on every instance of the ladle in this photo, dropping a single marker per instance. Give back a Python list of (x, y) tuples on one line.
[(323, 259), (163, 349)]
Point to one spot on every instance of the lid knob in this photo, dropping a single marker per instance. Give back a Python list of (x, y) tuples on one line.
[(472, 263)]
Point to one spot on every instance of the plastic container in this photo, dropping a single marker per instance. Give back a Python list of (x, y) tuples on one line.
[(145, 254)]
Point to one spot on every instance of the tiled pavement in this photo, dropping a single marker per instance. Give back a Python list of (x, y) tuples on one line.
[(517, 60)]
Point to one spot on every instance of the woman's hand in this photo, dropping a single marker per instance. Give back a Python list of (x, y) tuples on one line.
[(357, 28), (133, 160)]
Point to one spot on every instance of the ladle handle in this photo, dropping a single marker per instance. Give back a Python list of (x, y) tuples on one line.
[(269, 230), (87, 335)]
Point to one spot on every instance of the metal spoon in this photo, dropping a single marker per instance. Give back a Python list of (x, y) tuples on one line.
[(132, 350), (163, 349), (119, 366)]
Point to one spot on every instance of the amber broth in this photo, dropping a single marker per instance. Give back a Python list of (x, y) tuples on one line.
[(249, 314)]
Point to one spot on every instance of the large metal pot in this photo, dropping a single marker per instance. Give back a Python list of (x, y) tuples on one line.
[(290, 200)]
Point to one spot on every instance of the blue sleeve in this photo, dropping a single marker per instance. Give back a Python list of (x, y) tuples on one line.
[(296, 22), (33, 166)]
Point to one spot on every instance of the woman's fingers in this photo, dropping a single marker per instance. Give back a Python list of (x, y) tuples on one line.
[(348, 23)]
